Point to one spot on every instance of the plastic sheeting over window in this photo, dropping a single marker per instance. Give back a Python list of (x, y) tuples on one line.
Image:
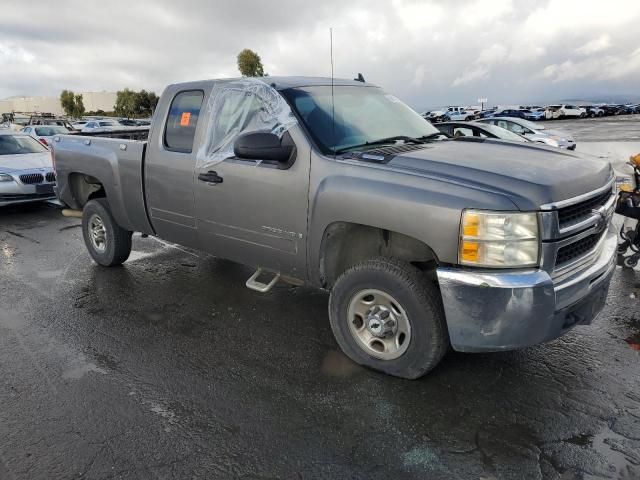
[(240, 106)]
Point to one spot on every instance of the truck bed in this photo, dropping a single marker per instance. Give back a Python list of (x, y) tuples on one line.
[(118, 162), (129, 133)]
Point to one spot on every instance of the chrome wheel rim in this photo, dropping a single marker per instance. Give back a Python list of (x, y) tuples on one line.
[(97, 233), (379, 324)]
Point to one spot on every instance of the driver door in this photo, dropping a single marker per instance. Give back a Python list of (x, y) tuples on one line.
[(253, 211)]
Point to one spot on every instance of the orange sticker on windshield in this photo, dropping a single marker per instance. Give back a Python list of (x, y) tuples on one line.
[(185, 119)]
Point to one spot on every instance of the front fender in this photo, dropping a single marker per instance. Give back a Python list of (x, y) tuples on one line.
[(424, 209)]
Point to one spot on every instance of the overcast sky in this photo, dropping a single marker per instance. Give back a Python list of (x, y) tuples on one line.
[(428, 53)]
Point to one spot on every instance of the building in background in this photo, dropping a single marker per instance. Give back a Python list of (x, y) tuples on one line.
[(93, 101)]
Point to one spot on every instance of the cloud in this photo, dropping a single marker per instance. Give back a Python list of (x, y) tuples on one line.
[(476, 73), (603, 42), (427, 52)]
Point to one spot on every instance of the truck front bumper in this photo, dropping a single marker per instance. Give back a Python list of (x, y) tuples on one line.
[(493, 311)]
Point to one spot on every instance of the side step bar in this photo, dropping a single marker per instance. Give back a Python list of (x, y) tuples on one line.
[(254, 284)]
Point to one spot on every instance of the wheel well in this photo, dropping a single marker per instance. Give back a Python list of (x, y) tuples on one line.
[(346, 244), (85, 187)]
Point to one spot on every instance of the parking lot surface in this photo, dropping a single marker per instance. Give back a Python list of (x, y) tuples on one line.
[(167, 367)]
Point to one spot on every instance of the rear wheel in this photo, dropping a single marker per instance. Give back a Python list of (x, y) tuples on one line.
[(107, 242), (386, 315)]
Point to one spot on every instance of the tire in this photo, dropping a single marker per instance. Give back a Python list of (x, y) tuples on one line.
[(631, 262), (623, 247), (415, 308), (112, 245)]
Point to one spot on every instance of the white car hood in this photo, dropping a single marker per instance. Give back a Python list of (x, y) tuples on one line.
[(25, 161), (556, 133)]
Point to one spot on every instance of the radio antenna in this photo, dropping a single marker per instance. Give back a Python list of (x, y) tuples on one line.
[(333, 108)]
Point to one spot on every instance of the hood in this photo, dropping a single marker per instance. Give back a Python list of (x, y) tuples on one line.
[(527, 174), (26, 161)]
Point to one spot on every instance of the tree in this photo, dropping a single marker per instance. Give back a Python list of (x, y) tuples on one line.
[(250, 64), (146, 103), (125, 103), (130, 103), (78, 108), (67, 102)]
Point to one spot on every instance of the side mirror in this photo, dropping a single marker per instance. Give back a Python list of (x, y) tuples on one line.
[(261, 146)]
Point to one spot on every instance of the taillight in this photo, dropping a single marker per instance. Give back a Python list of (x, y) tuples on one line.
[(44, 142)]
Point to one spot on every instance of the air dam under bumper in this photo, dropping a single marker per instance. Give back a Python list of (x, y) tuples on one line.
[(489, 311)]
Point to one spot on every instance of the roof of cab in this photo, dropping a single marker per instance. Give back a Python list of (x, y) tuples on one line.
[(282, 83), (279, 83)]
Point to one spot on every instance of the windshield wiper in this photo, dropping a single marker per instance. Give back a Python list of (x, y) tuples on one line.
[(383, 141), (433, 136)]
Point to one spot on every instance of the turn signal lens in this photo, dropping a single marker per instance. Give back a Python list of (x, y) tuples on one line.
[(469, 251), (503, 240)]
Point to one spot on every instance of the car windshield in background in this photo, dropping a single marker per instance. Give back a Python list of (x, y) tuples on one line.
[(362, 115), (109, 124), (503, 133), (529, 125), (19, 144), (50, 131)]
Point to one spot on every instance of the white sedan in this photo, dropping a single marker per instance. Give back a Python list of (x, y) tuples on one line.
[(45, 133), (26, 169), (563, 111)]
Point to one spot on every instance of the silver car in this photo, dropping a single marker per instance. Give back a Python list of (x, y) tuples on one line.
[(533, 131), (26, 169), (45, 133)]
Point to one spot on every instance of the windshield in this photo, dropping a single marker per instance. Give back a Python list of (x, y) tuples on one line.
[(362, 114), (503, 133), (524, 123), (108, 124), (530, 125), (50, 131), (19, 144)]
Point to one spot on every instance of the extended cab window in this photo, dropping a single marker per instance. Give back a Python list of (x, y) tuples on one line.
[(182, 121)]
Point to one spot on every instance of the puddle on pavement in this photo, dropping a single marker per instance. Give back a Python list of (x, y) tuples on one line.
[(580, 440), (50, 274), (605, 443), (337, 364), (80, 371)]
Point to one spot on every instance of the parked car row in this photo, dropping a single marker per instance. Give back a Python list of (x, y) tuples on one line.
[(108, 124), (530, 112), (511, 129)]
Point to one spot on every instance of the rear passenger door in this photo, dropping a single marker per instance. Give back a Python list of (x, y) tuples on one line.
[(169, 168)]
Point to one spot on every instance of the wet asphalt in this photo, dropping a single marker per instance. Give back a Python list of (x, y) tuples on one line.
[(167, 367)]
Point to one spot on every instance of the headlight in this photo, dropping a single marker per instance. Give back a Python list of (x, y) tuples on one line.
[(624, 184), (551, 141), (5, 178), (502, 240)]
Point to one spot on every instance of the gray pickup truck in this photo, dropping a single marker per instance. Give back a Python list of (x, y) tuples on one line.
[(424, 242)]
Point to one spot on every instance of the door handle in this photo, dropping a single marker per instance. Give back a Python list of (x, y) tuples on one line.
[(210, 177)]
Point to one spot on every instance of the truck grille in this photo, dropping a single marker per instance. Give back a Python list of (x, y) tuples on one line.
[(577, 249), (31, 178), (573, 214), (51, 177)]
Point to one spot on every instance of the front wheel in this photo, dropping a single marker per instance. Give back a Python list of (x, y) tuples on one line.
[(107, 242), (386, 315)]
